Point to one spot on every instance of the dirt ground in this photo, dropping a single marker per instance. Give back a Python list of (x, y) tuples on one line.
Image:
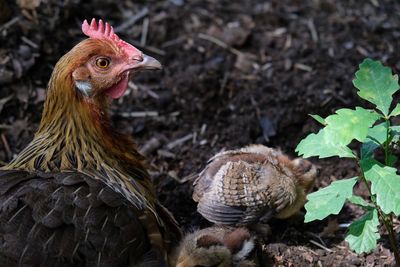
[(235, 73)]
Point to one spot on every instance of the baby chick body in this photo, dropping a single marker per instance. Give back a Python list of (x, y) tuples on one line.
[(216, 247), (251, 185)]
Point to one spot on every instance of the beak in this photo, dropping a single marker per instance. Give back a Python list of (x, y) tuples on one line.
[(148, 63)]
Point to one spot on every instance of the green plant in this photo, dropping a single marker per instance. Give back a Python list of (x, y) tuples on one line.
[(373, 128)]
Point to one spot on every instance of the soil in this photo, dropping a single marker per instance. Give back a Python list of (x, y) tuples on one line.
[(235, 73)]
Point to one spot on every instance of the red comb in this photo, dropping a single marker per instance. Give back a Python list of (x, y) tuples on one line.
[(105, 31)]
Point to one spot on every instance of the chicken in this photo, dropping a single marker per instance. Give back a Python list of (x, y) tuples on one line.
[(216, 247), (251, 185), (79, 194)]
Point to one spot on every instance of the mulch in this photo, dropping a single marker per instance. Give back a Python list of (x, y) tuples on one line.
[(235, 73)]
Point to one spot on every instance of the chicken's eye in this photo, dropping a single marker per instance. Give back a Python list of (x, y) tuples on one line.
[(102, 62)]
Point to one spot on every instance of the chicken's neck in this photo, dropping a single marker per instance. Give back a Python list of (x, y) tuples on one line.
[(75, 134)]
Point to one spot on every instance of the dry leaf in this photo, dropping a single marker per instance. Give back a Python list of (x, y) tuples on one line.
[(28, 4)]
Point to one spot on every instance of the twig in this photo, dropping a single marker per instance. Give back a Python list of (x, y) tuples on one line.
[(29, 42), (301, 66), (344, 225), (362, 51), (214, 140), (165, 153), (316, 236), (180, 141), (313, 31), (150, 146), (177, 2), (219, 43), (132, 20), (326, 101), (145, 30), (139, 114), (10, 23), (175, 41), (203, 142), (224, 82), (5, 126), (174, 114), (203, 128), (187, 178), (320, 245), (194, 138), (152, 93)]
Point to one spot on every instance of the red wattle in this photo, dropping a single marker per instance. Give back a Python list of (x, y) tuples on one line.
[(119, 89)]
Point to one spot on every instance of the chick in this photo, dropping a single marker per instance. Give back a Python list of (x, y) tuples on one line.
[(216, 247), (251, 185)]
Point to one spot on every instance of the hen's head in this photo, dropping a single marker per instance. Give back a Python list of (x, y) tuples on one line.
[(103, 63)]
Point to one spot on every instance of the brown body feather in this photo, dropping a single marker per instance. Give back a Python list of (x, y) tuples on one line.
[(52, 210), (252, 184)]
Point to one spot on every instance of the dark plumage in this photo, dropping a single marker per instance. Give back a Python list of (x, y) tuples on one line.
[(66, 219), (79, 194)]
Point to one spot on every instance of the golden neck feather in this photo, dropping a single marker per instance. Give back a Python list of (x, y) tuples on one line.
[(75, 134)]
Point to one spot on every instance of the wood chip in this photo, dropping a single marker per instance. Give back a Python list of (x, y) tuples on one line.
[(180, 141), (321, 246), (313, 30), (139, 114), (301, 66)]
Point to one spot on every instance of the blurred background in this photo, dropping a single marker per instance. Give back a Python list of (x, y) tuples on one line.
[(235, 73)]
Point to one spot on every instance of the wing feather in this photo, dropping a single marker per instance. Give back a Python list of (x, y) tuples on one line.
[(64, 220), (239, 187)]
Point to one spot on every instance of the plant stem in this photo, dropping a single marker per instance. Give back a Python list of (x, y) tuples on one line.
[(386, 148), (385, 219), (393, 242)]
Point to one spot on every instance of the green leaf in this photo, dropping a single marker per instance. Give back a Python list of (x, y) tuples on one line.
[(377, 134), (392, 159), (341, 129), (395, 129), (329, 200), (349, 124), (395, 111), (376, 84), (318, 118), (376, 137), (322, 145), (367, 149), (359, 201), (385, 184), (363, 233), (367, 163)]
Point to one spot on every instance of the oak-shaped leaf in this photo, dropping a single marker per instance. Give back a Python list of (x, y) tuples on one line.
[(348, 124), (376, 84), (363, 233), (318, 118), (341, 128), (323, 145), (376, 137), (395, 111), (329, 200), (385, 184), (359, 201)]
